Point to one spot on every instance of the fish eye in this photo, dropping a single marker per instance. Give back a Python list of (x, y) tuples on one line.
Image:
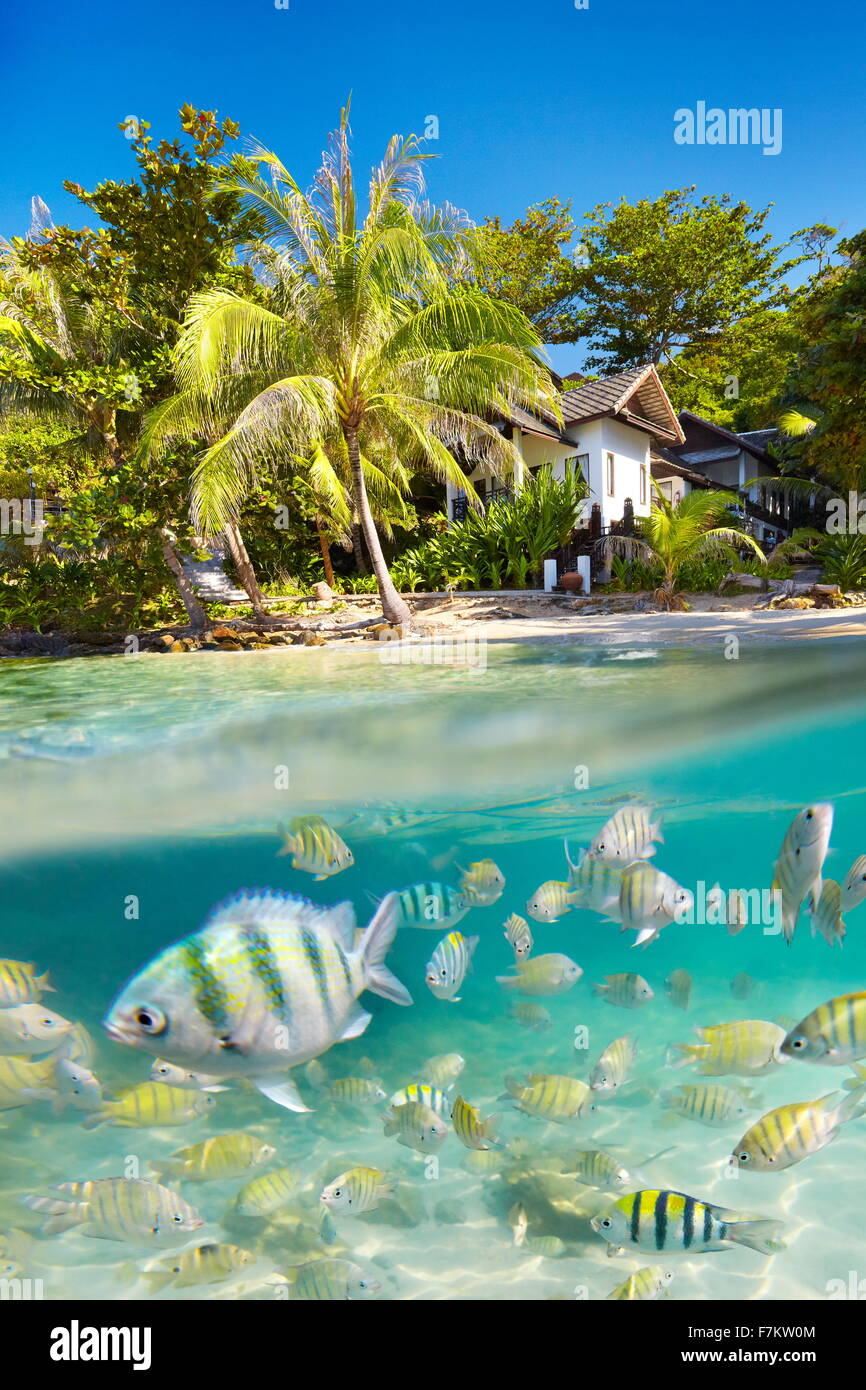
[(443, 974), (809, 815), (744, 1156), (178, 1218), (798, 1042), (606, 1222), (338, 1192), (149, 1020)]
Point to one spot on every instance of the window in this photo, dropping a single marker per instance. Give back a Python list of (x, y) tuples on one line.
[(610, 476), (643, 482), (578, 464), (666, 488)]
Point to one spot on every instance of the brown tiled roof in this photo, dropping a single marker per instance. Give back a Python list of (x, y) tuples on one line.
[(637, 396)]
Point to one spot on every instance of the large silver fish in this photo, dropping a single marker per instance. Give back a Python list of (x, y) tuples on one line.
[(269, 982)]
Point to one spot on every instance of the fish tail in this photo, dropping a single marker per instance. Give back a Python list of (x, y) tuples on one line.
[(99, 1117), (656, 831), (375, 945), (491, 1128), (688, 1052), (600, 989), (761, 1235), (42, 982), (513, 1088), (508, 981), (853, 1106)]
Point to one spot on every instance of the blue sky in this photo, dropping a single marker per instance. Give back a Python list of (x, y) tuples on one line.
[(532, 99)]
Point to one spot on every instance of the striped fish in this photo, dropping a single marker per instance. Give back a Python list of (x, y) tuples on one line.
[(518, 936), (267, 1193), (21, 1078), (528, 1015), (469, 1127), (331, 1281), (658, 1220), (790, 1133), (215, 1159), (268, 983), (834, 1034), (711, 1105), (444, 1070), (628, 835), (594, 883), (643, 1286), (431, 906), (421, 1093), (550, 901), (650, 900), (71, 1084), (204, 1264), (167, 1074), (151, 1104), (316, 846), (595, 1168), (355, 1090), (854, 887), (129, 1209), (542, 975), (550, 1097), (826, 918), (626, 991), (611, 1069), (750, 1047), (357, 1191), (447, 967), (551, 1247), (678, 987), (19, 983), (797, 871), (483, 883), (416, 1126)]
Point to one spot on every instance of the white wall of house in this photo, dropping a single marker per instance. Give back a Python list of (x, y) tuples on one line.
[(674, 488)]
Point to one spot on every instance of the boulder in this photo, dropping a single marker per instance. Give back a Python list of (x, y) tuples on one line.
[(323, 592)]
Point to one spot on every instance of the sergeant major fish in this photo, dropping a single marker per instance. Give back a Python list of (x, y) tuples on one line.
[(629, 834), (658, 1220), (447, 967), (797, 873), (542, 975), (317, 848)]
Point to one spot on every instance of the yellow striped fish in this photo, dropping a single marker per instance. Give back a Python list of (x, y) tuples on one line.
[(854, 887), (797, 871), (626, 991), (528, 1015), (594, 883), (204, 1264), (826, 918), (19, 983), (658, 1220), (644, 1285), (611, 1069), (833, 1035), (20, 1077), (151, 1104), (483, 883), (551, 1097), (421, 1093), (469, 1127), (711, 1105), (443, 1071), (542, 975), (317, 847), (550, 900), (447, 967), (628, 835), (650, 900), (749, 1047), (130, 1209), (595, 1168), (416, 1126), (790, 1133), (431, 906), (355, 1090), (170, 1075), (551, 1247), (215, 1159), (267, 1193), (357, 1191), (331, 1281), (678, 987), (518, 936)]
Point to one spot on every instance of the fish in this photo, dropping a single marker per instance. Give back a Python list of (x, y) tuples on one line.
[(626, 991), (169, 1075), (30, 1029), (542, 975), (650, 900), (749, 1047), (357, 1191), (19, 983), (534, 1016), (269, 982), (469, 1127), (482, 1161), (128, 1209), (519, 1223), (518, 936), (215, 1159), (72, 1084), (443, 1071), (549, 901), (833, 1035), (24, 1080), (204, 1264), (550, 1097), (151, 1104), (742, 985), (790, 1133), (655, 1219), (447, 967), (419, 1092), (854, 886), (355, 1090), (628, 835), (316, 846), (678, 987), (797, 871), (644, 1285), (611, 1069), (729, 908), (826, 918), (595, 1168), (594, 883), (551, 1247), (711, 1105), (416, 1126), (266, 1193), (333, 1281), (483, 883), (431, 906)]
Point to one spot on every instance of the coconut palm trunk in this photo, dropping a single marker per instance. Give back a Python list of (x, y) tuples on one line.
[(194, 608), (395, 609), (326, 554), (244, 568)]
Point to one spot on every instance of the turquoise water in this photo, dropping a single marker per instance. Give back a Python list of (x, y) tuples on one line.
[(137, 793)]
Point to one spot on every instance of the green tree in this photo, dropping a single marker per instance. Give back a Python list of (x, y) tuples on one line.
[(366, 346), (526, 265)]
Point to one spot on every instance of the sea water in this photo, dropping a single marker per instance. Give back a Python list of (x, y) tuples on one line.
[(138, 792)]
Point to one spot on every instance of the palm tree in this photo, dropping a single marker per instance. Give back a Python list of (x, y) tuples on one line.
[(673, 535), (364, 346)]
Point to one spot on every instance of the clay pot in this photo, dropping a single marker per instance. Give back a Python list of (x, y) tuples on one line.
[(571, 582)]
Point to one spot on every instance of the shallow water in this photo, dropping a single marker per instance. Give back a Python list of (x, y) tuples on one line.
[(137, 793)]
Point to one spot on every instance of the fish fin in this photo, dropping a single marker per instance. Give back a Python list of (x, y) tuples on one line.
[(491, 1129), (341, 924), (852, 1105), (656, 832), (390, 1124), (375, 945), (155, 1280), (99, 1117), (355, 1025), (600, 989), (319, 878), (644, 936), (513, 1089), (508, 981), (471, 943), (42, 982), (282, 1091), (761, 1235)]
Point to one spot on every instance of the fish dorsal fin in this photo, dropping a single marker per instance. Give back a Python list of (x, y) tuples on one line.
[(266, 907)]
